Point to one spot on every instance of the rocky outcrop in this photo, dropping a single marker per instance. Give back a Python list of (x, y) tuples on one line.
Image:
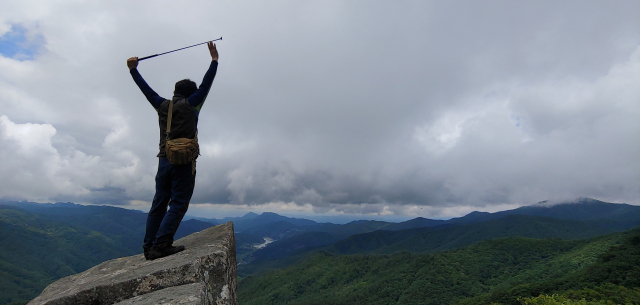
[(204, 273)]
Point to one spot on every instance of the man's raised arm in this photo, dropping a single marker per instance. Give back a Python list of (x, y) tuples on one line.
[(151, 95), (197, 99)]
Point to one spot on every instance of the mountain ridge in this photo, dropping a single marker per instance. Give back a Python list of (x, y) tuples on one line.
[(120, 230), (510, 267), (447, 235)]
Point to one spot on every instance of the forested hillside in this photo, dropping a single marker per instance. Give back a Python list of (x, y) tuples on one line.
[(500, 270), (619, 265), (41, 243), (36, 251), (591, 218), (426, 240), (476, 259)]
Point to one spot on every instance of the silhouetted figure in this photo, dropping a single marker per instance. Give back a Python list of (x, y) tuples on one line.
[(174, 182)]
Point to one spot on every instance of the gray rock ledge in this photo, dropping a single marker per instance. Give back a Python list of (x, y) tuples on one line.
[(204, 273)]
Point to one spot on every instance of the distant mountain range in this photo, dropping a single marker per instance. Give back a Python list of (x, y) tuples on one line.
[(604, 270), (580, 209), (578, 219), (43, 242)]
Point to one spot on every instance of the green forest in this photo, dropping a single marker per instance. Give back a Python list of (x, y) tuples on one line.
[(36, 251), (40, 247), (601, 270), (581, 253)]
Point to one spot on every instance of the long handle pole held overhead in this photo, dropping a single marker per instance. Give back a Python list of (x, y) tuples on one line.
[(151, 56)]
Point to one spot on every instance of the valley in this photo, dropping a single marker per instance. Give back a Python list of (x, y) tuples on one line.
[(476, 259)]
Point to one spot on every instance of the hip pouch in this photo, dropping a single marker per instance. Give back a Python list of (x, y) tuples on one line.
[(181, 150)]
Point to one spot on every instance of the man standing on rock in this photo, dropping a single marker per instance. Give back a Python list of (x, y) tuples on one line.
[(175, 179)]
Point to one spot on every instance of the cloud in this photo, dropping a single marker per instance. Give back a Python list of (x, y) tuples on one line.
[(31, 162), (36, 170), (332, 107)]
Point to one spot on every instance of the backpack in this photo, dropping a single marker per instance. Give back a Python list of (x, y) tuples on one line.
[(181, 150)]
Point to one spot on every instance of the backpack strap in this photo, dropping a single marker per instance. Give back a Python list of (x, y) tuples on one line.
[(169, 115)]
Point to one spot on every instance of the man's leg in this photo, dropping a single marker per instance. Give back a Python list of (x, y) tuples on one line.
[(160, 202), (182, 183)]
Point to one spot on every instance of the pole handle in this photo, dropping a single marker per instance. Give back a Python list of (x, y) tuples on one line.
[(147, 57)]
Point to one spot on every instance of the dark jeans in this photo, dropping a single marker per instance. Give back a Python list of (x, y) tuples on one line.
[(174, 187)]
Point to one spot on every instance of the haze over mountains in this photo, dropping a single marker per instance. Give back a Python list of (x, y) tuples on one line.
[(43, 242)]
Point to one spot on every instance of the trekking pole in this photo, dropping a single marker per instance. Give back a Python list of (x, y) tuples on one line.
[(143, 58)]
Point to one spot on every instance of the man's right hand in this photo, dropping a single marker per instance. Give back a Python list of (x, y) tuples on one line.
[(213, 50), (132, 62)]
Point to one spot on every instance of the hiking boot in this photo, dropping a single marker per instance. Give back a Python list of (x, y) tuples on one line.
[(156, 253), (146, 253)]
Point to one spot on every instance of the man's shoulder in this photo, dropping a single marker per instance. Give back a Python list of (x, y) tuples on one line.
[(164, 103)]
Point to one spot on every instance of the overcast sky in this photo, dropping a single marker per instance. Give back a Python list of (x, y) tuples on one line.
[(388, 108)]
